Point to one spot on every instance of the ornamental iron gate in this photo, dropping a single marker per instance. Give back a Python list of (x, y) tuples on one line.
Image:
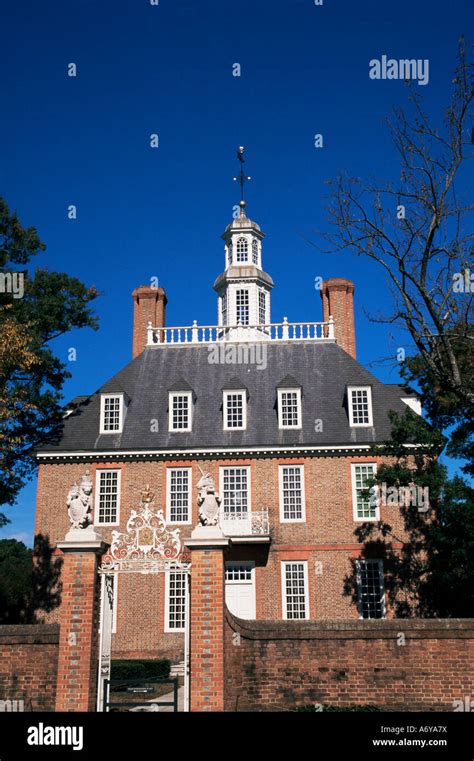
[(147, 546)]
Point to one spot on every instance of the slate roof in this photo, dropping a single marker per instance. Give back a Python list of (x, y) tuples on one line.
[(323, 370)]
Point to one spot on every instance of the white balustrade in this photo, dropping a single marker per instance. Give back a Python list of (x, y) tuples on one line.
[(210, 334)]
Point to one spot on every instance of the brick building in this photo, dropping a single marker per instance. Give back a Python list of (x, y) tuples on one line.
[(283, 418)]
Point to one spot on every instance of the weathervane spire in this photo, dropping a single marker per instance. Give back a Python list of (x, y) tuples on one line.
[(242, 179)]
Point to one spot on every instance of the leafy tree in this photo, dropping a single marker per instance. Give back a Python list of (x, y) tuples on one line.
[(29, 581), (433, 573), (419, 231), (31, 376)]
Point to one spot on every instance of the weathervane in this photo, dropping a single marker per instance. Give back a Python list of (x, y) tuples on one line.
[(241, 178)]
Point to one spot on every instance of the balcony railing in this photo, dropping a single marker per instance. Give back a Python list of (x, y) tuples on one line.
[(210, 334), (254, 523)]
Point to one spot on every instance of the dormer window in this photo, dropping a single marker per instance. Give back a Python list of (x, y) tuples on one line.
[(289, 408), (111, 413), (254, 251), (242, 249), (180, 411), (359, 400), (235, 410)]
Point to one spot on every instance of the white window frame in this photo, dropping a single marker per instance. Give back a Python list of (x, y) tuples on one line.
[(167, 627), (168, 496), (172, 396), (284, 609), (359, 587), (243, 395), (281, 468), (239, 307), (103, 397), (249, 486), (97, 495), (356, 518), (282, 391), (350, 391)]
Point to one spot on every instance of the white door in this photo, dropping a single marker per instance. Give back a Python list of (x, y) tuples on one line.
[(240, 589)]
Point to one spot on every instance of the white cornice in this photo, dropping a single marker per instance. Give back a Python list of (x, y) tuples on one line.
[(226, 452)]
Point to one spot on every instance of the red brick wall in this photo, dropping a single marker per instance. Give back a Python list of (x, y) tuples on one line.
[(79, 633), (207, 630), (327, 538), (28, 665), (280, 665)]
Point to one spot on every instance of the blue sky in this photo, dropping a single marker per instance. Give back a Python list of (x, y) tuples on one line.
[(168, 69)]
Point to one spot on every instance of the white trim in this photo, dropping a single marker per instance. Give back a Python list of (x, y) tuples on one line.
[(283, 564), (115, 602), (282, 391), (243, 395), (97, 492), (249, 484), (97, 454), (252, 582), (350, 390), (103, 397), (171, 396), (280, 492), (414, 403), (168, 495), (356, 518), (167, 628)]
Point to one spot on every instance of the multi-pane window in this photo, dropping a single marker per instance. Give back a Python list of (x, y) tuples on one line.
[(176, 601), (107, 496), (242, 249), (262, 308), (365, 501), (179, 495), (235, 414), (242, 306), (360, 406), (370, 588), (111, 413), (235, 491), (224, 308), (291, 493), (289, 408), (254, 251), (295, 590), (180, 411), (238, 572)]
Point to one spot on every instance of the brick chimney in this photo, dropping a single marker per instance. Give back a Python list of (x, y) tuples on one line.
[(148, 306), (338, 300)]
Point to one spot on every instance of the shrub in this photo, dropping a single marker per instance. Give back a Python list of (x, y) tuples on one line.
[(141, 669)]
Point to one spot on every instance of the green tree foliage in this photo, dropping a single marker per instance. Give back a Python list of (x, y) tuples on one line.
[(432, 575), (29, 581), (31, 375)]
